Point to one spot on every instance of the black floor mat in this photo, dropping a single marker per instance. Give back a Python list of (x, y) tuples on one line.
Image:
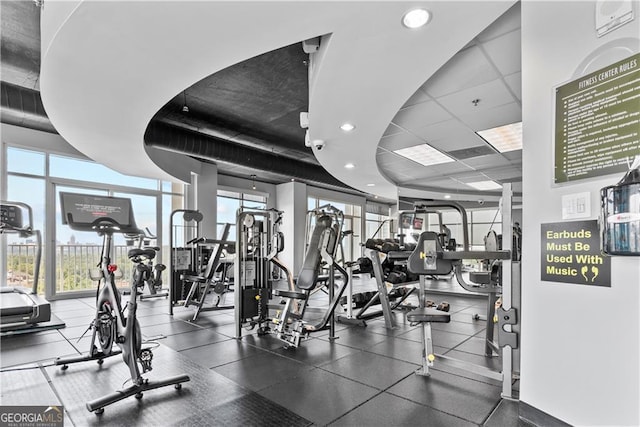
[(207, 399)]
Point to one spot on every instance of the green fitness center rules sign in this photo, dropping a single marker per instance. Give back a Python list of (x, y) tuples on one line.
[(571, 254), (597, 122)]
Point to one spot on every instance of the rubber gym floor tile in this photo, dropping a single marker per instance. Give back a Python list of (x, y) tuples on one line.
[(265, 342), (155, 319), (83, 312), (452, 394), (378, 326), (506, 414), (319, 396), (387, 410), (356, 338), (68, 305), (36, 353), (248, 410), (460, 327), (474, 345), (262, 370), (17, 341), (163, 406), (26, 387), (488, 362), (466, 315), (220, 353), (440, 338), (371, 369), (316, 352), (228, 328), (74, 332), (405, 350), (79, 321), (169, 329), (193, 339)]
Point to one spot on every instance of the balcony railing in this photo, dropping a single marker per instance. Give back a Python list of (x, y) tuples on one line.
[(73, 266)]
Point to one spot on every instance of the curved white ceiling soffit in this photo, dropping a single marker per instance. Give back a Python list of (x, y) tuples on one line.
[(95, 54)]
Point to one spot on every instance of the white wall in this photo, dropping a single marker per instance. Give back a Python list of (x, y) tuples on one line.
[(580, 344), (292, 200), (206, 186)]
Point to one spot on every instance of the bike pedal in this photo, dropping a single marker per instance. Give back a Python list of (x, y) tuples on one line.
[(145, 357)]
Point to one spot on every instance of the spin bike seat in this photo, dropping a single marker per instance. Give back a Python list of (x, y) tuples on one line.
[(144, 253)]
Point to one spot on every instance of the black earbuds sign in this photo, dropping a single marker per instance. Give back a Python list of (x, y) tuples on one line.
[(571, 254)]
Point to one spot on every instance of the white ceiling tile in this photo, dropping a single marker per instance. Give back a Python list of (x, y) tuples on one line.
[(490, 94), (489, 118), (458, 141), (514, 156), (468, 68), (392, 130), (509, 21), (441, 130), (487, 162), (417, 98), (399, 140), (472, 176), (420, 115), (514, 81), (505, 174), (505, 52)]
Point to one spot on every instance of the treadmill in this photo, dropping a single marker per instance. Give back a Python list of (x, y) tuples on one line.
[(21, 308)]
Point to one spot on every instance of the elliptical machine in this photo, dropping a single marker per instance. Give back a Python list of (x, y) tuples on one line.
[(113, 323)]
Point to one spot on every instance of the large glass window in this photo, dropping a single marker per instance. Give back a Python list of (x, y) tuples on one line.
[(21, 252), (84, 170), (31, 175), (228, 203)]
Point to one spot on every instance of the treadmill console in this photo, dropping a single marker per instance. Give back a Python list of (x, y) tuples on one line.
[(11, 217)]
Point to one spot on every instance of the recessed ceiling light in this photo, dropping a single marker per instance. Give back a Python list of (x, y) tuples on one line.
[(447, 196), (371, 185), (347, 127), (424, 154), (349, 166), (416, 18), (484, 185), (504, 138)]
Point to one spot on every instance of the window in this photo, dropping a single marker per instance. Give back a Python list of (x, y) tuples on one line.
[(31, 173), (228, 203)]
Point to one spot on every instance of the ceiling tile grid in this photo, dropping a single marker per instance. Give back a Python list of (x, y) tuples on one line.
[(504, 51), (490, 118), (400, 140), (489, 95), (420, 115), (467, 69)]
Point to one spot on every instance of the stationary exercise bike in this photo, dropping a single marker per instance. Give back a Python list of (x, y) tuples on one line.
[(151, 273), (113, 323)]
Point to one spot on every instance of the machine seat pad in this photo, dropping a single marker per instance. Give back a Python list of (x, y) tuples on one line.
[(428, 314), (146, 253), (290, 294), (480, 277)]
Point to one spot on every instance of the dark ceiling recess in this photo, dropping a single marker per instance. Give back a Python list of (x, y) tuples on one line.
[(255, 103), (166, 137)]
